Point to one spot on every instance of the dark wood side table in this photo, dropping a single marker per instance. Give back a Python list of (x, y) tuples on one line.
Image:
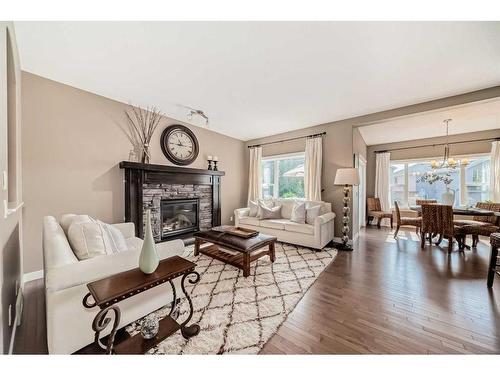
[(106, 293)]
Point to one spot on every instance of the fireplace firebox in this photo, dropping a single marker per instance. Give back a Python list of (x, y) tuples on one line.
[(179, 216)]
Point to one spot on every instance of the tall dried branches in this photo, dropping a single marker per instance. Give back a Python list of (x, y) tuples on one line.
[(142, 124)]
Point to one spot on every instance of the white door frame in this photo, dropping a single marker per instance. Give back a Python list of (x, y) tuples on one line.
[(362, 191)]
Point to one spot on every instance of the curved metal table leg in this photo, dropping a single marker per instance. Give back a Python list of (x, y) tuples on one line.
[(194, 329), (100, 323), (174, 306)]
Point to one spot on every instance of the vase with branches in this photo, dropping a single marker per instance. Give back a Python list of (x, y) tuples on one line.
[(141, 125)]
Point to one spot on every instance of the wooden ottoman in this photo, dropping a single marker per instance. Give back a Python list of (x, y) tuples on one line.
[(244, 250)]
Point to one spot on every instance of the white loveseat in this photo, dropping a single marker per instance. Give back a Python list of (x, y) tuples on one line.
[(315, 235), (69, 323)]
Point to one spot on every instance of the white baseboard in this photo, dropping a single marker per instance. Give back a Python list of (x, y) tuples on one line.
[(27, 277)]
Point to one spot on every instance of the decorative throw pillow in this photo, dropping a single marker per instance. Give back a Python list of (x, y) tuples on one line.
[(254, 208), (299, 213), (115, 238), (270, 213), (263, 203), (92, 238), (312, 213)]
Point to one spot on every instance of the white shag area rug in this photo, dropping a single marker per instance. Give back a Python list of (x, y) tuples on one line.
[(238, 315)]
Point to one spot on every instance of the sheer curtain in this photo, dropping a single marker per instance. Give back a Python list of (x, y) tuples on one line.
[(495, 172), (382, 181), (254, 176), (312, 168)]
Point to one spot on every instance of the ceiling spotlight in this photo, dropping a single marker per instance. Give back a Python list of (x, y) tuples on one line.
[(198, 112)]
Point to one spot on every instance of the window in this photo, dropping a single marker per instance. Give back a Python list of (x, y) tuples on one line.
[(477, 180), (283, 176), (470, 183)]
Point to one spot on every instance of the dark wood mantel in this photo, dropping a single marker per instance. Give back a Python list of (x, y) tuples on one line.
[(137, 174)]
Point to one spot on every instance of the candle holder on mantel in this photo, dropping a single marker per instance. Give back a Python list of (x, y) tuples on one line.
[(209, 159), (216, 160)]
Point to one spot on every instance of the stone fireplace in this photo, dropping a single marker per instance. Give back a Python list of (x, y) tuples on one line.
[(181, 200)]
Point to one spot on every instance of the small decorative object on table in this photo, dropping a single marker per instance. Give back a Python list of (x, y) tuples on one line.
[(148, 260), (149, 327), (347, 177), (142, 124), (216, 159), (209, 159)]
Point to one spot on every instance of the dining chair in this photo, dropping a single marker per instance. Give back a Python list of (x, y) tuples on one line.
[(492, 269), (420, 202), (437, 220), (481, 225), (375, 211), (412, 221)]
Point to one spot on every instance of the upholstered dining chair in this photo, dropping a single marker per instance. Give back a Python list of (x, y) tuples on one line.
[(420, 202), (375, 211), (437, 219), (481, 225), (492, 269), (412, 221)]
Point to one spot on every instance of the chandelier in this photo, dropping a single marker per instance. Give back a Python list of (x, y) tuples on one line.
[(448, 162)]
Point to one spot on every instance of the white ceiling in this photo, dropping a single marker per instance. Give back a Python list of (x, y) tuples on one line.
[(483, 115), (255, 79)]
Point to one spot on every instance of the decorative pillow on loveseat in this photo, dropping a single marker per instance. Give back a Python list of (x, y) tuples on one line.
[(312, 212), (298, 212), (269, 213), (89, 238)]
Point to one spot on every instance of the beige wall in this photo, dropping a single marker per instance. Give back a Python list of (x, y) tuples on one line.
[(428, 152), (10, 227), (72, 145)]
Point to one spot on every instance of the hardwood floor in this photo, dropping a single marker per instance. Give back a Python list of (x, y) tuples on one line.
[(387, 296)]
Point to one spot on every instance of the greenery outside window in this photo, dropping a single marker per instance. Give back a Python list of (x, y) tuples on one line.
[(283, 176)]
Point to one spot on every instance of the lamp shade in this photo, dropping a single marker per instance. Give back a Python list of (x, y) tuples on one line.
[(347, 176)]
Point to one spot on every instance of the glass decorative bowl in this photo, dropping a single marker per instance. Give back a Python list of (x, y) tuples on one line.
[(149, 328)]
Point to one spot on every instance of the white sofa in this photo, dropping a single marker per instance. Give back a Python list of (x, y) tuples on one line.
[(315, 235), (69, 323)]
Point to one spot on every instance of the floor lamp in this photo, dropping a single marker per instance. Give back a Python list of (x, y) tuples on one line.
[(347, 177)]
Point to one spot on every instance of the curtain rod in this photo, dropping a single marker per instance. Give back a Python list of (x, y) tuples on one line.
[(438, 144), (289, 139)]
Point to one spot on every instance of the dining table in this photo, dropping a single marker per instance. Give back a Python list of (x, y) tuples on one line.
[(464, 211)]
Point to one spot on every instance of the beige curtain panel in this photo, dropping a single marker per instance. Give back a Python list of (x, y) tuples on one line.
[(382, 181), (312, 168), (495, 172), (254, 177)]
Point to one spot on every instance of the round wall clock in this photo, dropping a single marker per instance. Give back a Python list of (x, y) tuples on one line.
[(179, 144)]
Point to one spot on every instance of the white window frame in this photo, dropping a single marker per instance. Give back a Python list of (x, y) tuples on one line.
[(463, 185), (276, 170)]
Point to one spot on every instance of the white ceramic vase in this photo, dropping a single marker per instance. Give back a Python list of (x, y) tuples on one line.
[(148, 261), (448, 197)]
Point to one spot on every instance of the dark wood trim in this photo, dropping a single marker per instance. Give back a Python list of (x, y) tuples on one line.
[(137, 174), (216, 201), (167, 168)]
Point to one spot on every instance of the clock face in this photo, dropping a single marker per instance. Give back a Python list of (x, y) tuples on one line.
[(179, 144)]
